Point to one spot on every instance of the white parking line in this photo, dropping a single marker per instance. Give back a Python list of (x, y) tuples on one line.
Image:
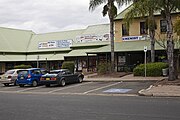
[(68, 87), (101, 87), (27, 89), (6, 88)]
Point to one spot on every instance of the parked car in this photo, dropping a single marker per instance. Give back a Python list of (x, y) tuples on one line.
[(29, 77), (9, 77), (61, 77)]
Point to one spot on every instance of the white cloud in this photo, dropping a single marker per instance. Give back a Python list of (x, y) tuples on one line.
[(49, 15)]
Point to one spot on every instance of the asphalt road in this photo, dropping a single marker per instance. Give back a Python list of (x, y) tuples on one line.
[(105, 88), (16, 106)]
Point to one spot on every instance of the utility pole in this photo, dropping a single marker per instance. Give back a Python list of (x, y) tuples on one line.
[(38, 61)]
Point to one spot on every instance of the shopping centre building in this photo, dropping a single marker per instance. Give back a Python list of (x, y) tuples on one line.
[(86, 47)]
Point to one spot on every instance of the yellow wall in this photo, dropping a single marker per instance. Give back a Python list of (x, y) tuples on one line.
[(134, 29)]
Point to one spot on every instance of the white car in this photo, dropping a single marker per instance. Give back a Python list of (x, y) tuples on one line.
[(9, 77)]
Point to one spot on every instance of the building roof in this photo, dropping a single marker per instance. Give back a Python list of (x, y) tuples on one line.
[(122, 14), (14, 40), (64, 35), (96, 29), (23, 45), (25, 41)]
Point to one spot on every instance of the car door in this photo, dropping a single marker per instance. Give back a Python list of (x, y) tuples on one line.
[(37, 74), (67, 75), (71, 77)]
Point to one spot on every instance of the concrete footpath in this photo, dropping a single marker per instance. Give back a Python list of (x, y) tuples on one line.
[(153, 90)]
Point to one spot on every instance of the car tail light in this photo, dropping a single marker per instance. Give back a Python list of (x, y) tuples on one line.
[(42, 78), (29, 76), (53, 78)]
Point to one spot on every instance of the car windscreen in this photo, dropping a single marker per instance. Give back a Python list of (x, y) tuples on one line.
[(44, 72), (23, 72), (10, 72), (56, 72)]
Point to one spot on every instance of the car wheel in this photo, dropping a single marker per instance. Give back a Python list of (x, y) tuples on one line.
[(6, 84), (34, 83), (21, 85), (80, 79), (47, 85), (15, 83), (62, 83)]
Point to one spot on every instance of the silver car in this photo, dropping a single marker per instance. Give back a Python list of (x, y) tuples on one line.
[(9, 77)]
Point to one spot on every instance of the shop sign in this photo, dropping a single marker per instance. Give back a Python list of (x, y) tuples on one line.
[(133, 38), (55, 44), (92, 38), (64, 43), (49, 44)]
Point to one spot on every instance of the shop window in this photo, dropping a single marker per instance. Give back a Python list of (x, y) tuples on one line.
[(143, 28), (163, 26), (125, 31)]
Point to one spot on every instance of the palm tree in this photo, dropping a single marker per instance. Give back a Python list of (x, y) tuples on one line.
[(110, 9), (144, 8)]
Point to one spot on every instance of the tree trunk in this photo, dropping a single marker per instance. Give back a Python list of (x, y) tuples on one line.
[(170, 47), (152, 34), (111, 18), (152, 39), (112, 44)]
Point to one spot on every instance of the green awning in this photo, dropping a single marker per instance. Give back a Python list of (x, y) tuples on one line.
[(79, 52), (127, 46), (76, 45), (43, 57), (12, 58)]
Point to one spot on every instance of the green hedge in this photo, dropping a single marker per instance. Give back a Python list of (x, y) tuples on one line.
[(103, 68), (22, 66), (153, 69), (68, 65)]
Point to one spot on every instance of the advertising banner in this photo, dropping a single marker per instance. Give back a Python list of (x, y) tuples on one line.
[(92, 38), (55, 44), (133, 38)]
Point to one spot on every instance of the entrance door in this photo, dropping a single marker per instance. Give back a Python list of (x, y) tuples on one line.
[(121, 63)]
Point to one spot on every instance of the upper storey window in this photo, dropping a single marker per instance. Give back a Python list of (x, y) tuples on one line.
[(163, 26), (143, 28), (125, 31)]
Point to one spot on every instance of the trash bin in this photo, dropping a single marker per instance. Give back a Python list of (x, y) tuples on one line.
[(165, 72)]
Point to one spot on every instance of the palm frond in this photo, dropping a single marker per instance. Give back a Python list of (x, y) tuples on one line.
[(105, 10), (95, 3), (124, 2), (114, 10)]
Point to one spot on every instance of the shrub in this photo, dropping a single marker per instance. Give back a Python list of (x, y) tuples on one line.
[(68, 65), (22, 66), (103, 68), (152, 69)]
